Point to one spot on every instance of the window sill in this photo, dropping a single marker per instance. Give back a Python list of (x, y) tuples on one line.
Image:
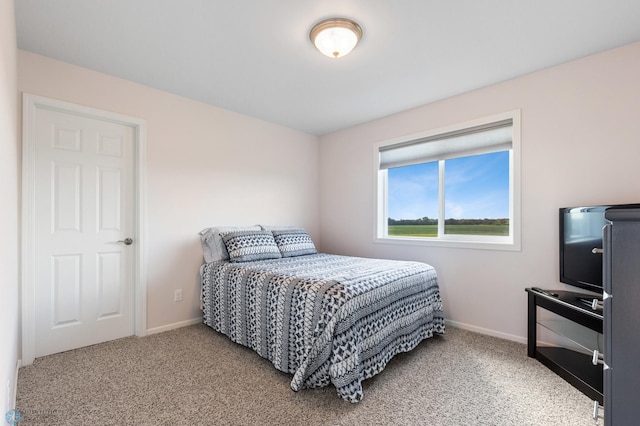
[(492, 244)]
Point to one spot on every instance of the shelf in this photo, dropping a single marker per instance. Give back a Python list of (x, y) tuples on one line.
[(580, 338), (576, 368)]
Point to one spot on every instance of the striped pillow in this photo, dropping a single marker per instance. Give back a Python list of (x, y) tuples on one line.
[(246, 246), (294, 242), (213, 247)]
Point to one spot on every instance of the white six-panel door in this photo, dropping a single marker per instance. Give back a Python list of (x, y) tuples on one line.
[(84, 211)]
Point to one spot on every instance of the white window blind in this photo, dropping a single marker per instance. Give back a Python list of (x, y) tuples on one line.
[(482, 139)]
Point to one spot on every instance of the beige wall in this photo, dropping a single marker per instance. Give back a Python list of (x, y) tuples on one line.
[(580, 145), (9, 224), (205, 166)]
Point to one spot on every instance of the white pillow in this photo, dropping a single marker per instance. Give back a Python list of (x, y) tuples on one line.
[(278, 227), (213, 247)]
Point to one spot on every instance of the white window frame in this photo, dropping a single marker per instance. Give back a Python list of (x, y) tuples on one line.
[(510, 243)]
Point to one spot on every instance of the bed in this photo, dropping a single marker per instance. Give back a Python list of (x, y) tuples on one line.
[(326, 319)]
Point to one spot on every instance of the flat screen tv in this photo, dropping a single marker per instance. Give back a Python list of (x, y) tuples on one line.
[(580, 246)]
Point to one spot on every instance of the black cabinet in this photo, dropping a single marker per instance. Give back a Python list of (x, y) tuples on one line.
[(576, 353), (621, 244)]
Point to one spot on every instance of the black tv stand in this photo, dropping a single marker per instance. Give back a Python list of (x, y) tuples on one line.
[(575, 366)]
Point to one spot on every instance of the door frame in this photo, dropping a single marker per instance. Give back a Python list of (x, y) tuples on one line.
[(30, 104)]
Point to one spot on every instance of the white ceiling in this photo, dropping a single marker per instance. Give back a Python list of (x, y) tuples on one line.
[(254, 56)]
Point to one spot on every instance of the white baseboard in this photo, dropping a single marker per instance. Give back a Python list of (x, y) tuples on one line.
[(173, 326), (14, 391), (457, 324), (486, 331)]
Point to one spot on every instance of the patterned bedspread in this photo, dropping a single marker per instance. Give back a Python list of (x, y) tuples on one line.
[(324, 318)]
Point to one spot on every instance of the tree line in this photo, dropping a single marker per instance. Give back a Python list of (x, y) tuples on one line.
[(430, 221)]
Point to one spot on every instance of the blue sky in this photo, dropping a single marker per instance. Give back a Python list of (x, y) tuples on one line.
[(476, 187)]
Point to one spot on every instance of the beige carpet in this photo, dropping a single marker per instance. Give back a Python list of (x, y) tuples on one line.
[(195, 376)]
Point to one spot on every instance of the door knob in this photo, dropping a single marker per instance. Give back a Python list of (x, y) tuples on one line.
[(126, 241)]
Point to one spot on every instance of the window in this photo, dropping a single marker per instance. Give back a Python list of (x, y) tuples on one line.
[(456, 186)]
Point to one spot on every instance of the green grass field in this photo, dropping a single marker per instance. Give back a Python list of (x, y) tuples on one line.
[(432, 230)]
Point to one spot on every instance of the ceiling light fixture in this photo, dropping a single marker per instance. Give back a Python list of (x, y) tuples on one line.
[(335, 37)]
